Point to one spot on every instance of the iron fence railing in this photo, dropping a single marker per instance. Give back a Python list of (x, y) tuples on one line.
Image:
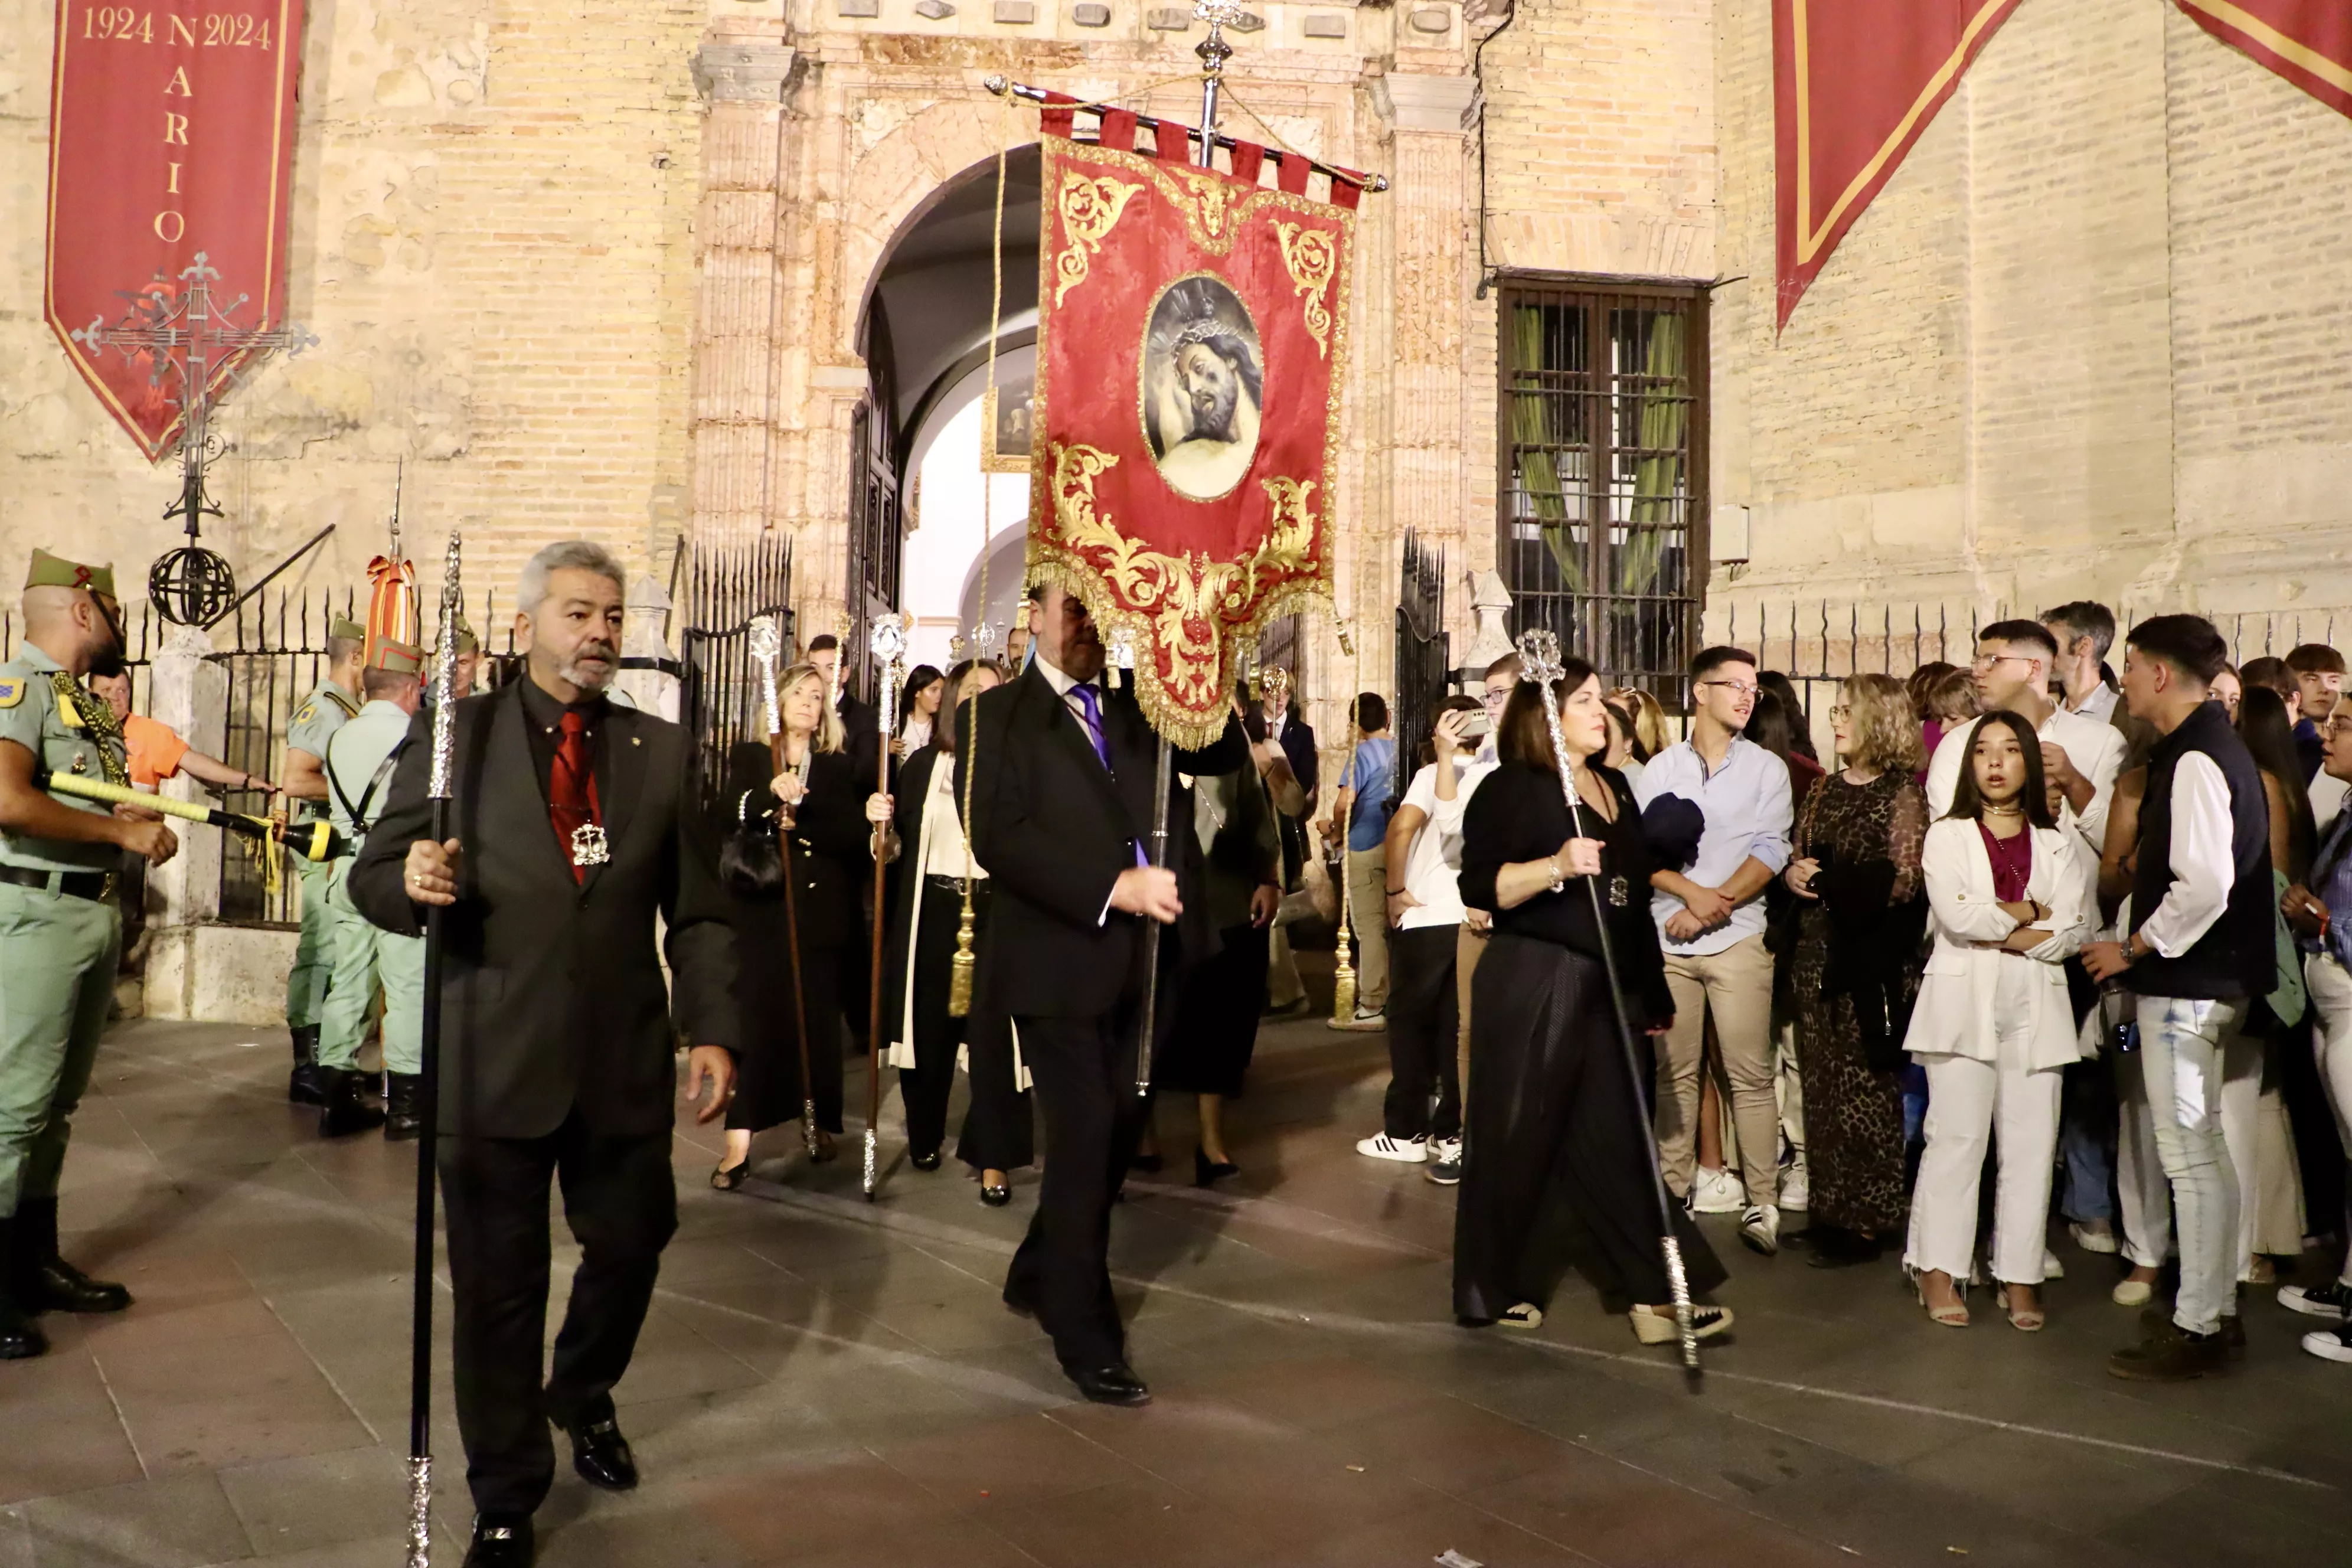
[(721, 697)]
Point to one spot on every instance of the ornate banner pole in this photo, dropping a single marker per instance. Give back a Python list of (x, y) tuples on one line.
[(885, 638), (420, 1365), (1539, 662)]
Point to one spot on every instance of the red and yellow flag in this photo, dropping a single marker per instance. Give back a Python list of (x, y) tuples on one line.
[(2309, 42)]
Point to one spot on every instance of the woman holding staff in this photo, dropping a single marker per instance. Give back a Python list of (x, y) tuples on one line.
[(831, 807), (925, 1035), (1554, 1135)]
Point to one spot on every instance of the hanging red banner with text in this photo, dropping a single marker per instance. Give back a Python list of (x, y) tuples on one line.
[(171, 135), (1855, 82), (2309, 42), (1191, 343)]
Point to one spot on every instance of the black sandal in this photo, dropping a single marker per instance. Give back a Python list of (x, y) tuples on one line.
[(728, 1178)]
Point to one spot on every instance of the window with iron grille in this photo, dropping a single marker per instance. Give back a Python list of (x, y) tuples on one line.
[(1602, 495)]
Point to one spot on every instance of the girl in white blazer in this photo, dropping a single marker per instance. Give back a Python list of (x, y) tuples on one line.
[(1993, 1026)]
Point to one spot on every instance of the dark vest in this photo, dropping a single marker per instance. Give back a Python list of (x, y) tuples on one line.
[(2237, 956)]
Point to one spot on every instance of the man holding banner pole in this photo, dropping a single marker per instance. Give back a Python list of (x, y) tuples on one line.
[(572, 838)]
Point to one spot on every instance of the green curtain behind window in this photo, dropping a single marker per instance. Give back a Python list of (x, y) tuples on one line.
[(1532, 440), (1661, 421)]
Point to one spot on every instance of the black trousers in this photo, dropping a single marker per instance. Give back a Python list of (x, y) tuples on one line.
[(1083, 1070), (622, 1206), (1555, 1166), (924, 1088), (1424, 1034)]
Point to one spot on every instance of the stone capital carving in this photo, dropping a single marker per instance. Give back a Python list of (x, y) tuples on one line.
[(743, 71), (1440, 103)]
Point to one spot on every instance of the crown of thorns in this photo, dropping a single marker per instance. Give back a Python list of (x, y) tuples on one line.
[(1202, 331)]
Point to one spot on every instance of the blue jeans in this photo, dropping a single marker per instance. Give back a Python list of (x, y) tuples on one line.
[(2180, 1060), (2086, 1141)]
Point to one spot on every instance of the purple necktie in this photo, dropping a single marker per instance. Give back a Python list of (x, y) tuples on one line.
[(1090, 700)]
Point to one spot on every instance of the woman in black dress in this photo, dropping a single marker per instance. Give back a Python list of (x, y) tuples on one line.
[(926, 912), (832, 807), (1555, 1161)]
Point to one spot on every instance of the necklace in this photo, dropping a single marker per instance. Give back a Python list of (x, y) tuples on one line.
[(2012, 809)]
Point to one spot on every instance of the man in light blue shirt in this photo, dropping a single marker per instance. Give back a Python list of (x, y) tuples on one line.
[(1711, 923), (1365, 801)]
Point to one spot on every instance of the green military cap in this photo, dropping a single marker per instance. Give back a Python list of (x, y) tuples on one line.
[(466, 641), (49, 571), (348, 629), (397, 657)]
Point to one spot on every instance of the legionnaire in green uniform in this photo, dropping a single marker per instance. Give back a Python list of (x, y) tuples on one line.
[(60, 929), (359, 762), (323, 713)]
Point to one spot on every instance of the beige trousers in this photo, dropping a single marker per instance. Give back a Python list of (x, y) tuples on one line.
[(1368, 915), (1736, 986)]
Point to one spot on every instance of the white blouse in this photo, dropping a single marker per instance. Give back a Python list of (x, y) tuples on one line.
[(945, 852)]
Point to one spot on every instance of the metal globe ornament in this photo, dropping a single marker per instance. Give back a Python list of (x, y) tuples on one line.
[(191, 586)]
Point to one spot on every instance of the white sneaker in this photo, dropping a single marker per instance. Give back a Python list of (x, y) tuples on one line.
[(2332, 1345), (1717, 1191), (1760, 1227), (1796, 1190), (2094, 1236), (2332, 1299), (1406, 1150), (2050, 1268), (2130, 1292), (1375, 1018)]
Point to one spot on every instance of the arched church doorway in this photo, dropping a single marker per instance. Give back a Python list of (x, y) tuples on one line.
[(931, 490)]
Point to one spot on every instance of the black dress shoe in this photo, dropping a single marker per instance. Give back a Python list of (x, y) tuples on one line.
[(501, 1541), (929, 1161), (44, 1282), (1111, 1385), (1206, 1170), (995, 1194), (602, 1455)]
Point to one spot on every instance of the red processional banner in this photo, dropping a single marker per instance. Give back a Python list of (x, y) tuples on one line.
[(1192, 345), (2309, 42), (1853, 84), (171, 135)]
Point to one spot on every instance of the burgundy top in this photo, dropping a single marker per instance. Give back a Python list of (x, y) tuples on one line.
[(2013, 863)]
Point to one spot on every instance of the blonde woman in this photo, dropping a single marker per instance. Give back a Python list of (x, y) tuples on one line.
[(826, 803), (1855, 967)]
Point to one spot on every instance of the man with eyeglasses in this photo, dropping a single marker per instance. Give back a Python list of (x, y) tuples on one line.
[(1711, 925)]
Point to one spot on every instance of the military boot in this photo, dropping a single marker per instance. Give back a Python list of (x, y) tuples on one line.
[(44, 1282), (347, 1111), (20, 1337), (306, 1085), (403, 1106)]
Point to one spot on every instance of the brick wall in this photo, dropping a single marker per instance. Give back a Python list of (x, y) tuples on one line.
[(491, 236)]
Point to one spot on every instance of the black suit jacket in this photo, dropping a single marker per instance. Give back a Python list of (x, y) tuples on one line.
[(553, 994), (1055, 830)]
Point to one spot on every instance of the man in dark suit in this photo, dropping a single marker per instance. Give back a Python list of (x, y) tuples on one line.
[(1061, 815), (557, 1039)]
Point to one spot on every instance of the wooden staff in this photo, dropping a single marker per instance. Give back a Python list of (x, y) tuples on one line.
[(767, 646), (886, 639)]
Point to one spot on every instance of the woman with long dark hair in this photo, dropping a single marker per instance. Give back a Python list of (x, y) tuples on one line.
[(934, 865), (1855, 968), (1555, 1144), (918, 709), (1994, 1025), (2259, 1086), (824, 795)]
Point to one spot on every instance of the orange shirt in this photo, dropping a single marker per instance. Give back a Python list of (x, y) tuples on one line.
[(154, 749)]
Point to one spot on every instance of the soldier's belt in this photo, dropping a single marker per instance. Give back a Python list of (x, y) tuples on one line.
[(98, 886), (308, 840)]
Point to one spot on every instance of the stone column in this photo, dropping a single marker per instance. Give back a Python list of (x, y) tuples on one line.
[(1428, 468), (190, 693)]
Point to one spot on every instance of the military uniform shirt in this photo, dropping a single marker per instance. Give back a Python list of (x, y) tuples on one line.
[(327, 709), (357, 751), (30, 716)]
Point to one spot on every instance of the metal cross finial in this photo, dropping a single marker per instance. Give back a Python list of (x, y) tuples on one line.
[(767, 649), (1539, 657)]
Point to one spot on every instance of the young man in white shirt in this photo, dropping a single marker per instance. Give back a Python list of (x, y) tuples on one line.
[(2200, 949), (2080, 754), (1711, 925), (1424, 914)]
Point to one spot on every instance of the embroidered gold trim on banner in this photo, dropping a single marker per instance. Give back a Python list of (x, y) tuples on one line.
[(1089, 207), (1308, 256)]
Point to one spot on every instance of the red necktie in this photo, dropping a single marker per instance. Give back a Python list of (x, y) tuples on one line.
[(572, 787)]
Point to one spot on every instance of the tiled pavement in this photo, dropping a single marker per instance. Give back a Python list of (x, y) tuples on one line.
[(824, 1382)]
